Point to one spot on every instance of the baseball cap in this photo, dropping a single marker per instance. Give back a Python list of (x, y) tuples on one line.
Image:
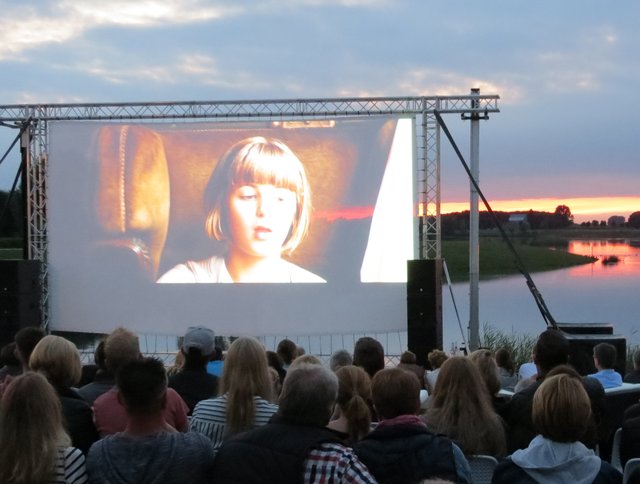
[(199, 337)]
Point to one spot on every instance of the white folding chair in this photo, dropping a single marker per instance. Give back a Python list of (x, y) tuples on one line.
[(482, 467), (630, 466), (615, 450)]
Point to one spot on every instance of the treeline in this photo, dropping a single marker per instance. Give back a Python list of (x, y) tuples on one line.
[(11, 215), (457, 223)]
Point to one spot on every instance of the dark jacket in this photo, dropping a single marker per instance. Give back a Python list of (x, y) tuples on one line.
[(405, 453), (275, 452), (78, 419), (520, 422), (194, 385), (630, 438)]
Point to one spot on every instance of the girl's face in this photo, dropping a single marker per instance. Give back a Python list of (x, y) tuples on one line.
[(260, 218)]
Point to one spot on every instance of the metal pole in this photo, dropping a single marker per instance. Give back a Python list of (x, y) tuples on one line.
[(474, 228)]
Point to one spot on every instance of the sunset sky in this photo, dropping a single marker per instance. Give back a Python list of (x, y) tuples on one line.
[(566, 73)]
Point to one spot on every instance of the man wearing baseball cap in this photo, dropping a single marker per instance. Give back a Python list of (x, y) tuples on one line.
[(193, 383)]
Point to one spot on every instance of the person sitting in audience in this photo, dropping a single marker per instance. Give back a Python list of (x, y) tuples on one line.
[(352, 416), (294, 446), (401, 448), (485, 362), (551, 350), (26, 340), (408, 362), (11, 365), (506, 370), (34, 446), (604, 358), (460, 408), (215, 365), (305, 359), (110, 416), (560, 409), (634, 375), (193, 383), (368, 354), (288, 351), (148, 450), (340, 358), (245, 395), (527, 375), (58, 360), (436, 359), (630, 435), (103, 380)]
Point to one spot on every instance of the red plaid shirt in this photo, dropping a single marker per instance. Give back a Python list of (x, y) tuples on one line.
[(335, 464)]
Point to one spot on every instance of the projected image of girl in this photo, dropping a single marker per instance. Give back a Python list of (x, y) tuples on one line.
[(258, 202)]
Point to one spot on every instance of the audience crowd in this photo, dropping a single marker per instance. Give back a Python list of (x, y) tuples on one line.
[(258, 416)]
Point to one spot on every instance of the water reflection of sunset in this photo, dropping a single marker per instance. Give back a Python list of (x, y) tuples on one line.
[(583, 209), (629, 256)]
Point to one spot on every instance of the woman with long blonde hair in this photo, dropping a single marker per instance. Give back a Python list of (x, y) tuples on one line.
[(461, 409), (34, 446), (245, 394)]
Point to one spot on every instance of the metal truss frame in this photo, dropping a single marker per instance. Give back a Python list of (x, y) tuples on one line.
[(35, 142)]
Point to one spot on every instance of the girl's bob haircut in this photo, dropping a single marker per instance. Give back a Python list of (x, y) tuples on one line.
[(263, 161)]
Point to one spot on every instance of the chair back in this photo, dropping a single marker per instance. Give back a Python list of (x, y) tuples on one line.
[(615, 450), (482, 467), (632, 465)]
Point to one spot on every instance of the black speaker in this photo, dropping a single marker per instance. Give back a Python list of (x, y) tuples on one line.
[(424, 307), (20, 297)]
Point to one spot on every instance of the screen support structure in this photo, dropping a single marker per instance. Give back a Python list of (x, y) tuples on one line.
[(37, 116)]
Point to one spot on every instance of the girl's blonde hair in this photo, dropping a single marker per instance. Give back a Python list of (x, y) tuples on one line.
[(31, 430), (58, 360), (245, 375), (460, 407), (257, 160)]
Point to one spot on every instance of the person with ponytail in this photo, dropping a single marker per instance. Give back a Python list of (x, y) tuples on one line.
[(352, 415)]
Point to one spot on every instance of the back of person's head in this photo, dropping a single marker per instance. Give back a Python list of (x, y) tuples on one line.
[(26, 339), (300, 351), (408, 358), (305, 359), (99, 357), (560, 408), (483, 359), (459, 389), (340, 358), (354, 391), (275, 361), (308, 395), (31, 430), (606, 355), (395, 392), (142, 386), (58, 360), (120, 347), (437, 358), (287, 350), (198, 345), (551, 349), (368, 353), (504, 360), (245, 375), (8, 355)]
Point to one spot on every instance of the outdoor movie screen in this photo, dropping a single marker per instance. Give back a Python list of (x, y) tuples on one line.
[(263, 227)]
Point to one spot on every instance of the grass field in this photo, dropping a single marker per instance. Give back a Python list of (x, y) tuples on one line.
[(497, 260)]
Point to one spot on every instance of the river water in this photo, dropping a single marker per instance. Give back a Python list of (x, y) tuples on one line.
[(590, 293)]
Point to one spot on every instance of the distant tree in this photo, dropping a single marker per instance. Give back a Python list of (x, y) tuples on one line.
[(562, 217), (603, 223), (634, 220), (595, 223)]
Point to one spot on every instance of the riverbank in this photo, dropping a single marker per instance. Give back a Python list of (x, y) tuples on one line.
[(497, 260)]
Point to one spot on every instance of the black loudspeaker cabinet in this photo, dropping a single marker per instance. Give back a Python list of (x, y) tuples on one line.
[(20, 295), (424, 307)]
